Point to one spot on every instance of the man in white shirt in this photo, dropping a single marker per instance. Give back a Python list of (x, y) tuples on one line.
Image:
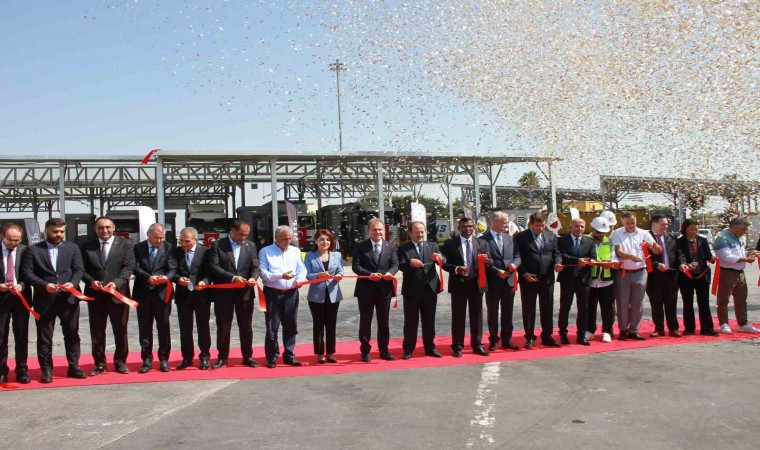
[(281, 268), (630, 291), (733, 258)]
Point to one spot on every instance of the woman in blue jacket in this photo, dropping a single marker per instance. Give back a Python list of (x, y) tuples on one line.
[(324, 297)]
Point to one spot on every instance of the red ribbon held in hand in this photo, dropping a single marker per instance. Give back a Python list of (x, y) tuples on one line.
[(438, 262), (716, 278), (75, 292), (169, 289), (239, 285), (120, 297), (647, 256), (482, 258), (358, 277), (513, 268), (18, 294)]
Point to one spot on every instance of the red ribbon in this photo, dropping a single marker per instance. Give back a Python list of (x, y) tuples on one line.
[(239, 285), (687, 272), (119, 296), (169, 289), (149, 155), (716, 277), (758, 266), (365, 277), (18, 294), (513, 268), (482, 270), (439, 262), (75, 292), (647, 256)]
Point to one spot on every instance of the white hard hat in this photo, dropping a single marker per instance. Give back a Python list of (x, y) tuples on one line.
[(610, 216), (600, 224)]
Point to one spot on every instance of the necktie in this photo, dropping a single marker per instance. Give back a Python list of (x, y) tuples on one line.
[(468, 257), (103, 252), (540, 241), (499, 243), (419, 250), (377, 254), (152, 255), (189, 258), (9, 269), (577, 247), (660, 241)]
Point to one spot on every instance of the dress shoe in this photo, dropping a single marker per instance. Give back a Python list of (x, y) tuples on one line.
[(204, 364), (656, 334), (163, 366), (46, 377), (387, 356), (366, 357), (457, 353), (76, 372), (122, 369), (271, 364), (331, 360), (688, 333), (550, 343), (250, 362), (563, 339), (583, 341), (145, 368), (98, 369), (434, 353), (510, 345), (530, 343), (636, 336), (292, 362), (185, 364), (219, 363), (3, 378), (623, 336), (492, 347), (675, 333), (709, 333), (23, 378), (480, 351), (406, 356)]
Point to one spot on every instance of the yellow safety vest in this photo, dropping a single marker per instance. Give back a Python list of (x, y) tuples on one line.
[(603, 253)]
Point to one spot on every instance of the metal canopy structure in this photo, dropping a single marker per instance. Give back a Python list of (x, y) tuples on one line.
[(33, 184), (505, 194)]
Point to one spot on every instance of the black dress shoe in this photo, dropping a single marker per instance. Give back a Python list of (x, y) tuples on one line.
[(492, 347), (204, 364), (550, 343), (457, 353), (3, 378), (23, 378), (293, 362), (387, 356), (563, 339), (185, 364), (675, 333), (98, 369), (46, 377), (145, 368), (406, 356), (688, 333), (709, 333), (530, 343), (510, 345), (623, 335), (656, 334), (331, 360), (122, 369), (250, 362), (76, 372), (163, 366), (635, 336), (583, 341), (366, 357), (434, 353), (219, 363), (480, 351), (271, 364)]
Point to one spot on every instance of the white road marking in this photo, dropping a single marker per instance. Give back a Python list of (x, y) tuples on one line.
[(482, 424)]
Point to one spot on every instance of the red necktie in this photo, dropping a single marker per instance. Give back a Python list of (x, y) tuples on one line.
[(9, 269)]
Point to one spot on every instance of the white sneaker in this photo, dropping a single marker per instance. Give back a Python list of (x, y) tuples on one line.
[(748, 328), (589, 336), (724, 328), (606, 337)]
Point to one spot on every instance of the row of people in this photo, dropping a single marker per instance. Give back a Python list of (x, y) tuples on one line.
[(232, 265)]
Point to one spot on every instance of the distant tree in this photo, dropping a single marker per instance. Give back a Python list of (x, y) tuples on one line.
[(529, 179)]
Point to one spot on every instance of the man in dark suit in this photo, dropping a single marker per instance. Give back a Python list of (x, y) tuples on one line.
[(420, 288), (11, 306), (234, 260), (500, 293), (188, 264), (576, 250), (378, 259), (461, 253), (539, 256), (46, 266), (662, 283), (108, 262), (151, 276)]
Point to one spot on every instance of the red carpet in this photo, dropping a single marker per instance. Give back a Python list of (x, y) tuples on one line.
[(348, 360)]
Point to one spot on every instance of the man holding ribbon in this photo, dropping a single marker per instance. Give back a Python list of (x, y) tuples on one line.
[(462, 254), (502, 285), (54, 268), (417, 260), (730, 278), (108, 263), (662, 283), (578, 253), (188, 265), (151, 290), (377, 259), (281, 270), (11, 305), (630, 243), (233, 261)]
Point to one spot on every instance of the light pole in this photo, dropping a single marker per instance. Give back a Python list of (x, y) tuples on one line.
[(337, 66)]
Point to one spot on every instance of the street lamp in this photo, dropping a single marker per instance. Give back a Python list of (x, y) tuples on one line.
[(337, 66)]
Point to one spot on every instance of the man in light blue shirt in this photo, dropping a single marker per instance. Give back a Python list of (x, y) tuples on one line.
[(281, 270)]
